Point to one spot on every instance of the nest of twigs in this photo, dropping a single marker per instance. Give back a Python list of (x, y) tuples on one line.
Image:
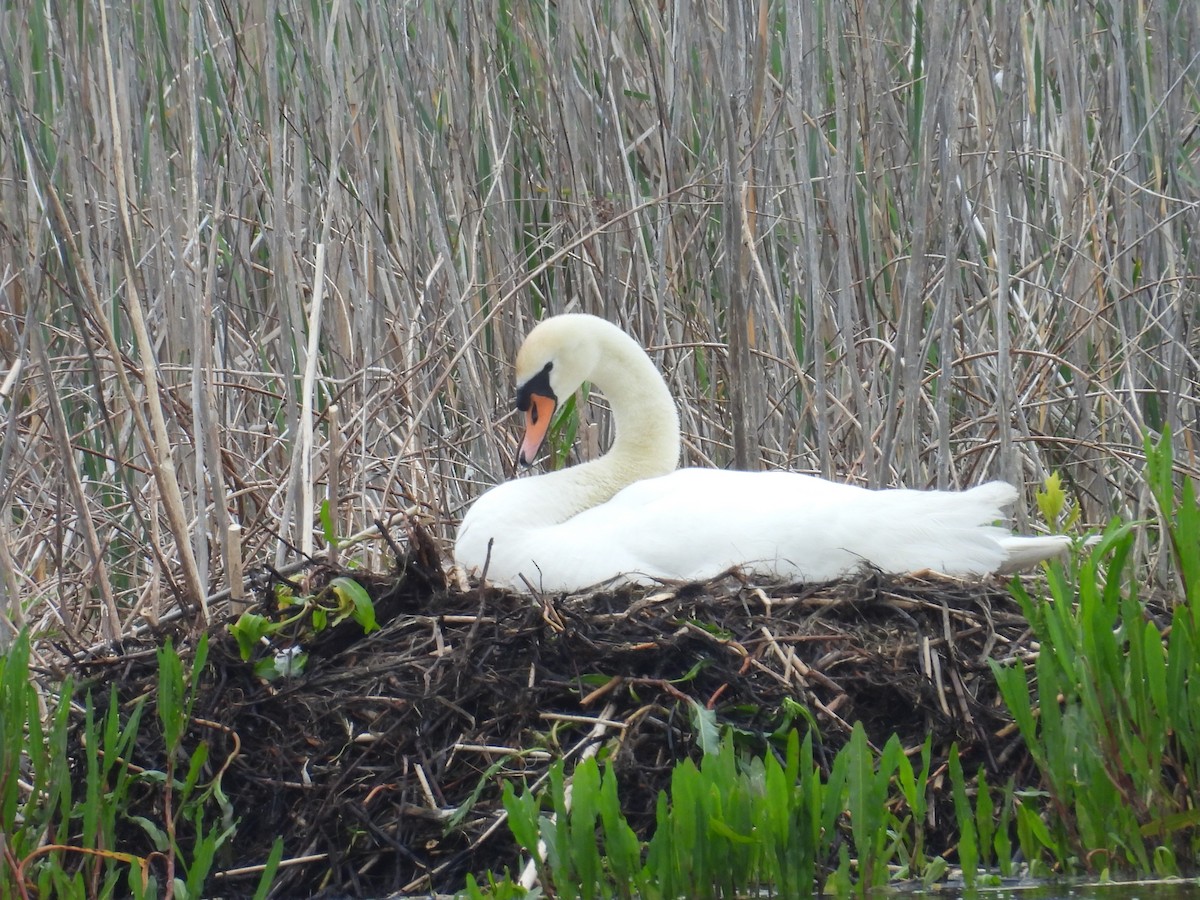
[(381, 765)]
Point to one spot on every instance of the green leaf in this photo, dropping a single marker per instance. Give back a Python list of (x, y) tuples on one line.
[(691, 673), (269, 869), (170, 697), (719, 827), (863, 814), (157, 835), (1176, 822), (198, 660), (1052, 500), (195, 765), (584, 810), (968, 847), (985, 818), (1034, 833), (484, 781), (522, 812), (266, 669), (622, 847), (708, 735), (248, 631), (354, 596), (563, 428), (1002, 842), (1156, 670)]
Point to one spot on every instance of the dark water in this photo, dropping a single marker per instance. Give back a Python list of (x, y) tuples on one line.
[(1138, 890)]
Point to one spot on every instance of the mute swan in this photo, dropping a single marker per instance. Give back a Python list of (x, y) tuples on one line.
[(631, 517)]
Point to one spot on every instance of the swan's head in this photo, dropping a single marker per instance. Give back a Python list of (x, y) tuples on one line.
[(558, 356)]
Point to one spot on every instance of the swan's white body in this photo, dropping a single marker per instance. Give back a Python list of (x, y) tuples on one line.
[(630, 517)]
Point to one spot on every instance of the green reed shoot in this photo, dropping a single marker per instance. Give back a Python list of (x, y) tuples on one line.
[(63, 843), (1113, 719), (731, 825), (56, 842)]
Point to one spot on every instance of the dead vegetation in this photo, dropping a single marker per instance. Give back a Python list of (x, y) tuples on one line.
[(380, 766), (257, 256)]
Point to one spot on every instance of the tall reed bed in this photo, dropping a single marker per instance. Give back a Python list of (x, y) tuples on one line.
[(259, 255)]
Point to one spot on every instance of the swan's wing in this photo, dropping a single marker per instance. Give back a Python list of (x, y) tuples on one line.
[(696, 523)]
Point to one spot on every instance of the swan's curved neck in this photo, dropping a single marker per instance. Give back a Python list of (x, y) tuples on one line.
[(646, 442), (647, 424)]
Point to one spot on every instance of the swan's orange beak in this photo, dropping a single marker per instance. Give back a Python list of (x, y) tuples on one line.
[(537, 422)]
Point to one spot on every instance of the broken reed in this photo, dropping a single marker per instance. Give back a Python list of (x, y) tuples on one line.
[(952, 245)]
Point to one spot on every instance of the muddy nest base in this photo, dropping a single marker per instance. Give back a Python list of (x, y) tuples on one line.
[(380, 766)]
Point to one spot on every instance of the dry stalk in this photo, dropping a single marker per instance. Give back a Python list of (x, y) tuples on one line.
[(883, 249)]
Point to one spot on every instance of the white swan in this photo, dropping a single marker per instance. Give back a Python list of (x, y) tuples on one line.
[(631, 517)]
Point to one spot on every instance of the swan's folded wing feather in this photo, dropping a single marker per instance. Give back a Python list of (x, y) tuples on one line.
[(696, 523)]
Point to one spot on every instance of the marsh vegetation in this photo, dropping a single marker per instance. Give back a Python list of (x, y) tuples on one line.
[(264, 267)]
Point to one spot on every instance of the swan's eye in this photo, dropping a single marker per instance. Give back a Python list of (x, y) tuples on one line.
[(537, 386), (533, 413)]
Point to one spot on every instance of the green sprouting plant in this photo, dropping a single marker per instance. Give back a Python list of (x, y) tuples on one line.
[(60, 843), (343, 598), (1113, 720), (723, 825), (914, 787), (1055, 506), (174, 701), (730, 825), (1183, 530), (35, 817), (493, 889)]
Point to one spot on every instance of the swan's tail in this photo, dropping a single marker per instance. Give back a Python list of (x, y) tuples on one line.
[(952, 532), (1022, 551)]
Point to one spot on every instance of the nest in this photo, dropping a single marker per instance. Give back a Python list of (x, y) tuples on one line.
[(381, 765)]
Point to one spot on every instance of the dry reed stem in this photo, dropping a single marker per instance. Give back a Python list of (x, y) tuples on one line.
[(891, 249), (159, 449)]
